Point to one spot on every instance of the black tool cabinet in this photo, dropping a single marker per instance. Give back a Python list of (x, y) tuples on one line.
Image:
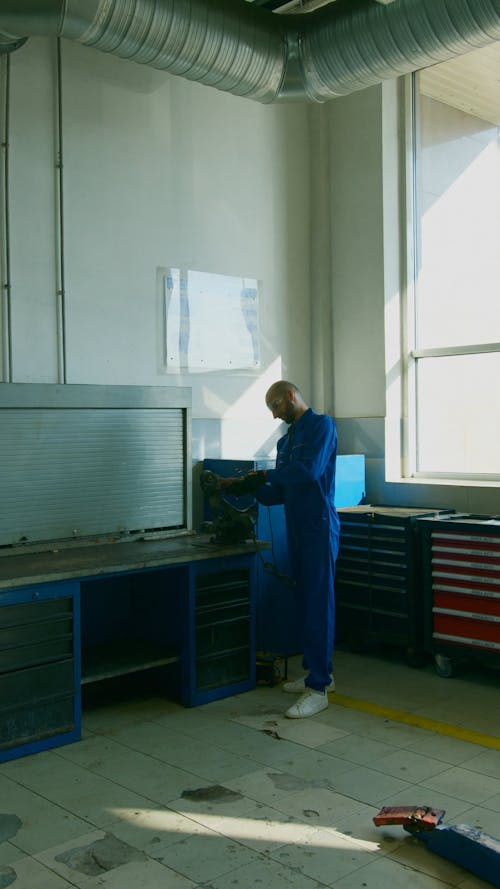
[(377, 588), (224, 642), (39, 666), (461, 571)]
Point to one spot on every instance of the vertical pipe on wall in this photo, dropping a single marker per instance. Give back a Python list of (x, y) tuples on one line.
[(60, 271), (320, 235), (5, 307)]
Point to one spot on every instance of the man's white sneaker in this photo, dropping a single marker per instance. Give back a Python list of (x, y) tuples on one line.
[(309, 703), (296, 686)]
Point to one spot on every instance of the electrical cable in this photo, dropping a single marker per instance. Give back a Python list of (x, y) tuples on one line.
[(271, 567)]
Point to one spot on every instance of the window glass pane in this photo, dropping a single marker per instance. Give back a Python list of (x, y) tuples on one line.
[(459, 414), (458, 286)]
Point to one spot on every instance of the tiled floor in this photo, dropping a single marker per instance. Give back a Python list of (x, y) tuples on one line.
[(232, 795)]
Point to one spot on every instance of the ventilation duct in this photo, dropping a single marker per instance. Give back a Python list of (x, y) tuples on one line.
[(248, 51)]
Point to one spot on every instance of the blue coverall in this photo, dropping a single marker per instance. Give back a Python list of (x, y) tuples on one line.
[(304, 480)]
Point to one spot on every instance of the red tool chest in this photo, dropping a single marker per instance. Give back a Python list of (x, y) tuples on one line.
[(461, 558)]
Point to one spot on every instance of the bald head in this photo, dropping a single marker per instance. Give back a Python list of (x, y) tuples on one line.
[(285, 401)]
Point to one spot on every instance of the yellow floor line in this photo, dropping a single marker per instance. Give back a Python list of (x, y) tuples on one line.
[(432, 725)]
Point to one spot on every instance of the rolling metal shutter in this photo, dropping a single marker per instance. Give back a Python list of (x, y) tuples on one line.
[(86, 467)]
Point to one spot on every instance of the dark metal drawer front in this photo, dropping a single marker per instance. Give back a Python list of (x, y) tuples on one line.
[(222, 637), (37, 654), (220, 671), (24, 725), (208, 617), (50, 611), (36, 684)]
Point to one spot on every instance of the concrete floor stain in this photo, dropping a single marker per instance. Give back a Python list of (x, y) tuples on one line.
[(9, 826), (214, 793), (100, 856)]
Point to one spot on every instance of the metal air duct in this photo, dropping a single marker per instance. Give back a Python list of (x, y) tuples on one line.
[(248, 51)]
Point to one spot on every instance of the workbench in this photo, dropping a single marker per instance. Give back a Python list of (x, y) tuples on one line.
[(81, 614)]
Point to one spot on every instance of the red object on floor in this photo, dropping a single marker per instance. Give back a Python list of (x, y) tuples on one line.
[(418, 817)]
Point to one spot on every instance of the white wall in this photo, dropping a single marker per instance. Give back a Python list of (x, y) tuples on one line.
[(158, 171)]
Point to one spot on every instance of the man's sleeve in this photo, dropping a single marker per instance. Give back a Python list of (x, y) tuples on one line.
[(316, 453)]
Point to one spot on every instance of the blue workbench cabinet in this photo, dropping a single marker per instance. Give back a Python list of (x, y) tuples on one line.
[(219, 654), (40, 704), (182, 608)]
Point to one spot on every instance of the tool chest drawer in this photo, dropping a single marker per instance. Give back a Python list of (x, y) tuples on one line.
[(461, 556), (39, 683), (35, 632), (377, 592), (224, 631)]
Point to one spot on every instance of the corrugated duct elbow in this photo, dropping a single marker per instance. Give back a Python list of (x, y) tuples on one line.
[(359, 44), (242, 49)]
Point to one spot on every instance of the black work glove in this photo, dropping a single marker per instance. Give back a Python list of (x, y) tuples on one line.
[(245, 484)]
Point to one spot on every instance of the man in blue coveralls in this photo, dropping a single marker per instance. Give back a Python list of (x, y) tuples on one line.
[(304, 481)]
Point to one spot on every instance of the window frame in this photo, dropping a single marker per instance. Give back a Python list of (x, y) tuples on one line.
[(411, 355)]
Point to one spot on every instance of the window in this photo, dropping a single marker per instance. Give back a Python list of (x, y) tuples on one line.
[(452, 344)]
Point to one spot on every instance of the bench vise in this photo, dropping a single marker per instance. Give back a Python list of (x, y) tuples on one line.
[(229, 524)]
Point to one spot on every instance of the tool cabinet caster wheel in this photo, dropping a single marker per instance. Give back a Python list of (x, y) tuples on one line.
[(444, 666)]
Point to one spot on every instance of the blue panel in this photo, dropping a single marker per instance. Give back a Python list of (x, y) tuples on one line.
[(350, 480)]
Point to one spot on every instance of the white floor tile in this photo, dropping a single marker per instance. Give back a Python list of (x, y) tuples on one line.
[(308, 732), (486, 763), (152, 829), (463, 784), (205, 857), (384, 873), (316, 768), (111, 718), (140, 875), (27, 873), (319, 807), (266, 785), (409, 766), (358, 826), (358, 749), (448, 749), (370, 786), (137, 772), (9, 854), (42, 824), (324, 856), (264, 873), (89, 796)]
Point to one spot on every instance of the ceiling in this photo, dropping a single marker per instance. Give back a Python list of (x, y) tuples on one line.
[(470, 83)]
